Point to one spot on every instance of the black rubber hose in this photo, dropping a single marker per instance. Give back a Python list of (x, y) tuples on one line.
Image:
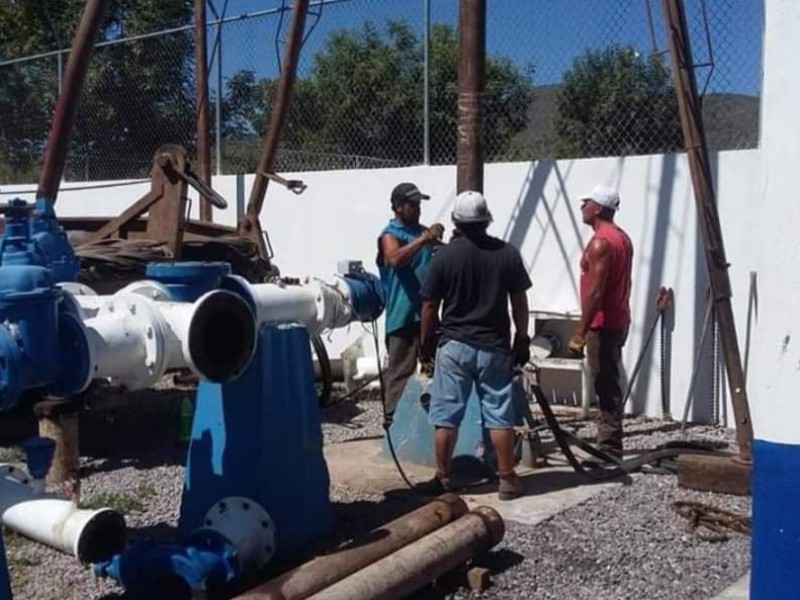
[(325, 369)]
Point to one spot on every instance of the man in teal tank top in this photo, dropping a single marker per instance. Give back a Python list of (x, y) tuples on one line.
[(405, 250)]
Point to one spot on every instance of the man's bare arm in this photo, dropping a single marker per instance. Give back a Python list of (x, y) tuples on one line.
[(599, 258), (429, 320), (520, 313), (395, 255)]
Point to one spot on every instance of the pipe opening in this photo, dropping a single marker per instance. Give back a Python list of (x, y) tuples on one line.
[(222, 337), (102, 537)]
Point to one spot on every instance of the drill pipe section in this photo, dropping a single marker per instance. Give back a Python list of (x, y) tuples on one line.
[(318, 574), (411, 568)]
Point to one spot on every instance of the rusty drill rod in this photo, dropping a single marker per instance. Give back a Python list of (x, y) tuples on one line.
[(67, 104), (251, 227), (203, 110), (471, 83), (409, 569), (321, 572), (707, 215)]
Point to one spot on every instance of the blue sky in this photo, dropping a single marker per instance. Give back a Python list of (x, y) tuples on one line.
[(548, 33)]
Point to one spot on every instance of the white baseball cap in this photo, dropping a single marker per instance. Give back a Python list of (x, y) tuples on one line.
[(604, 196), (471, 207)]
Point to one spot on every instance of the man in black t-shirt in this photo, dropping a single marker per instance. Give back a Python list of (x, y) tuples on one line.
[(473, 278)]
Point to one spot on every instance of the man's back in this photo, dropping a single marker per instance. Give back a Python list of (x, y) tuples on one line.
[(474, 276)]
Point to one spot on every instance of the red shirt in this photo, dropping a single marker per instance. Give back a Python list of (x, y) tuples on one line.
[(615, 311)]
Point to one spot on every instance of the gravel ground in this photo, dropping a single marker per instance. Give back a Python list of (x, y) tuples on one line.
[(623, 543)]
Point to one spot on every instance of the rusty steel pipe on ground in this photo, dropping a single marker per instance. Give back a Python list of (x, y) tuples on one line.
[(203, 110), (412, 567), (250, 226), (58, 139), (471, 84), (316, 575), (707, 215)]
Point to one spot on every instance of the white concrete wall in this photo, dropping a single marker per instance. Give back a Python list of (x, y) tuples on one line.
[(775, 222), (535, 207)]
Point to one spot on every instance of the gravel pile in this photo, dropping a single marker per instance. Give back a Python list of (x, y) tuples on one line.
[(624, 543)]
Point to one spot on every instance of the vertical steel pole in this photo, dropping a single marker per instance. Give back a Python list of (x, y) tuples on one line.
[(68, 98), (426, 114), (203, 110), (471, 80), (251, 227), (218, 105), (708, 217)]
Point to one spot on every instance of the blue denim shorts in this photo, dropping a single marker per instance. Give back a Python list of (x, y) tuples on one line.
[(459, 368)]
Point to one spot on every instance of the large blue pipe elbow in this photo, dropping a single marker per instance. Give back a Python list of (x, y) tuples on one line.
[(174, 571)]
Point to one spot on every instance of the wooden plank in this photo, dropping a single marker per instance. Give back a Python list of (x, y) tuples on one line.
[(721, 474)]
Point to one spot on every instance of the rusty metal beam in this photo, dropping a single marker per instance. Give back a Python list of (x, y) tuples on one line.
[(250, 226), (414, 566), (203, 109), (58, 140), (471, 83), (707, 215), (318, 574)]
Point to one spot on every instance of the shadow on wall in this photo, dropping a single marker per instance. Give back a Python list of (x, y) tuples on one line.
[(531, 198), (658, 253), (705, 389)]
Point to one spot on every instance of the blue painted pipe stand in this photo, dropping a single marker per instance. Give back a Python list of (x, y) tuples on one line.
[(776, 522), (260, 437)]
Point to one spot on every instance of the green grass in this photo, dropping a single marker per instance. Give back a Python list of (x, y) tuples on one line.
[(125, 502)]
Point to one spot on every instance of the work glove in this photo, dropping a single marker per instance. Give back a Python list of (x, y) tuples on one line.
[(435, 232), (576, 345), (521, 350)]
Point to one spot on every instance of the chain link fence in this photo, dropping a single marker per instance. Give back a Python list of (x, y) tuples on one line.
[(567, 79)]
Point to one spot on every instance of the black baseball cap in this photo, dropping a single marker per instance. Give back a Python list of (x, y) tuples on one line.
[(407, 192)]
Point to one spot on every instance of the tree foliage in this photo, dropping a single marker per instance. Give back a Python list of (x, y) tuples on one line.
[(615, 102), (137, 95), (363, 97)]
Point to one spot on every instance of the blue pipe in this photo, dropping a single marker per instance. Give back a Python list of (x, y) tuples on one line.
[(176, 571)]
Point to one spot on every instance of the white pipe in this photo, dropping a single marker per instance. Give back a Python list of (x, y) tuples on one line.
[(88, 535), (317, 305), (135, 340)]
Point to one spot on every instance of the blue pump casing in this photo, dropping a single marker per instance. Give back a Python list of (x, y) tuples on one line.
[(41, 336), (50, 244)]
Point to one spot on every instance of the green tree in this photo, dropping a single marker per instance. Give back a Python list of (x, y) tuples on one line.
[(137, 95), (363, 97), (615, 102)]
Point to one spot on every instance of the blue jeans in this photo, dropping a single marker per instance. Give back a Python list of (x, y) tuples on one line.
[(459, 367)]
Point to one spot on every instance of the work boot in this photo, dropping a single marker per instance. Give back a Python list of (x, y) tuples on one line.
[(510, 486)]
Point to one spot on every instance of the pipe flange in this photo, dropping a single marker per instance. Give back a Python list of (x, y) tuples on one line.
[(14, 473), (246, 525), (152, 290), (137, 312)]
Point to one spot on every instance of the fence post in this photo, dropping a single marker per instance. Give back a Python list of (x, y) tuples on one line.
[(426, 116), (218, 115)]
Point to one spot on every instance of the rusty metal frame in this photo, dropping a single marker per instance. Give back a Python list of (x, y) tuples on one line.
[(707, 216)]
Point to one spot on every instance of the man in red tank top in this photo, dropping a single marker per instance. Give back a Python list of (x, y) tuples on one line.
[(605, 310)]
